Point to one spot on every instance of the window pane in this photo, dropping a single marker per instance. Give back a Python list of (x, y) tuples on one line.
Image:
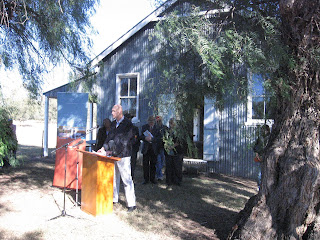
[(269, 109), (129, 105), (257, 85), (124, 87), (133, 86), (258, 108)]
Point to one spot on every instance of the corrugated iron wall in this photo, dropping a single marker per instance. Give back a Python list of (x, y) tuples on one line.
[(229, 153), (133, 56), (233, 143)]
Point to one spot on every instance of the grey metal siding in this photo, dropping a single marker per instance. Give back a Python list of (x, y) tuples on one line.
[(235, 155), (134, 56)]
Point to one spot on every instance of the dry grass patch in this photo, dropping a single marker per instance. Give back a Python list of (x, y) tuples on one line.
[(204, 207)]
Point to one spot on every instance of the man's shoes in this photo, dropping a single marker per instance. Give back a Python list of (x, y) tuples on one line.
[(145, 182), (131, 209)]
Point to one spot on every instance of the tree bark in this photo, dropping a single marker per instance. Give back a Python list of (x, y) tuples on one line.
[(287, 206)]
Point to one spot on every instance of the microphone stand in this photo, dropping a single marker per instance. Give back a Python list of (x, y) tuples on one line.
[(66, 146), (64, 213)]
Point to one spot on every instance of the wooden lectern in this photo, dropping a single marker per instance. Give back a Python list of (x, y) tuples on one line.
[(97, 183)]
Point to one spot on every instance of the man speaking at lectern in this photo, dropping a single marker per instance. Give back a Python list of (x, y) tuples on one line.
[(118, 144)]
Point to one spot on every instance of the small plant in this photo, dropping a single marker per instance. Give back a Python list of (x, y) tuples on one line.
[(168, 143), (8, 140)]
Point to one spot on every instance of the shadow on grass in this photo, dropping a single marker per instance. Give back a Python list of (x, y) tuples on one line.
[(33, 171), (27, 236), (202, 208)]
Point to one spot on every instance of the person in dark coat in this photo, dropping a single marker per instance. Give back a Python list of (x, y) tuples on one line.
[(121, 138), (135, 142), (161, 156), (149, 136), (103, 133), (135, 145), (174, 155)]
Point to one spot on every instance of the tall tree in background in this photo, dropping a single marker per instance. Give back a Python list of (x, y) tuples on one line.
[(37, 35), (281, 41)]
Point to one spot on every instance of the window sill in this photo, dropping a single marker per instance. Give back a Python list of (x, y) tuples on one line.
[(259, 122)]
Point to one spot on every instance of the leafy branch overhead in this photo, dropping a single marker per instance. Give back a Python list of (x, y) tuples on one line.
[(218, 45), (280, 41), (38, 35)]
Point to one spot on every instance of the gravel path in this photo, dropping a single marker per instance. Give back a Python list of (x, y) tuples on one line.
[(29, 205)]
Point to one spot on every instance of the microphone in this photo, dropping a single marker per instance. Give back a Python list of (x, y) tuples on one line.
[(93, 128), (78, 143)]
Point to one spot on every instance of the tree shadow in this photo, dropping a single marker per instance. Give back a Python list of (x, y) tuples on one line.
[(202, 208), (36, 235), (33, 173)]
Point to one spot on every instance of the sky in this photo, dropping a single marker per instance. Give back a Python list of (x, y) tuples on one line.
[(112, 20), (115, 18)]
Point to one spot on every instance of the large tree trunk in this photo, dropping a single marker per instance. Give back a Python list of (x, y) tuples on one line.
[(287, 206)]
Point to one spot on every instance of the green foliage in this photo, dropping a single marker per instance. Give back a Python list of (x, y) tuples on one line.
[(168, 142), (209, 53), (8, 140), (28, 109), (87, 78), (38, 35)]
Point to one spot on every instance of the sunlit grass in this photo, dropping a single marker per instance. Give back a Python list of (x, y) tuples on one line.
[(27, 153), (198, 205), (204, 207)]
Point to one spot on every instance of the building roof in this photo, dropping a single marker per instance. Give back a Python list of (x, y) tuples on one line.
[(153, 16)]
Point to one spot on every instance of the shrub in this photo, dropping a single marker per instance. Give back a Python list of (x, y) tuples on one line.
[(8, 140)]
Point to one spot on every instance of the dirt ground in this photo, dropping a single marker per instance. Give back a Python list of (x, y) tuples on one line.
[(30, 208)]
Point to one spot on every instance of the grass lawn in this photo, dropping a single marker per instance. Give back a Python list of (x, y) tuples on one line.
[(203, 207)]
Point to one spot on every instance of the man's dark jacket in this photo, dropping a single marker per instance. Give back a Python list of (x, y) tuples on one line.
[(154, 143), (122, 137)]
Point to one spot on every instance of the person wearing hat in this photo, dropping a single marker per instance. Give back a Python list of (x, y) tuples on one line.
[(149, 136)]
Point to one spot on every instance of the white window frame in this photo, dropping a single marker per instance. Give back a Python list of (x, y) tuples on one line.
[(250, 120), (118, 88)]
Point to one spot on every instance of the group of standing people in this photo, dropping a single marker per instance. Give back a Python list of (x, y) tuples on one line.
[(160, 146), (157, 153)]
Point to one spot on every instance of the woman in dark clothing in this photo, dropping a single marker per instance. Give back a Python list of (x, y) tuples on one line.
[(135, 142), (103, 133), (174, 156)]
